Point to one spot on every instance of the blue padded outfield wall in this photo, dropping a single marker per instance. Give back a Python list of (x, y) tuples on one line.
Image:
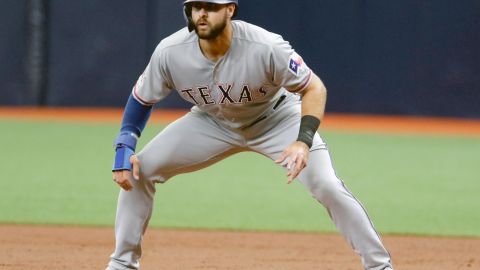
[(405, 57)]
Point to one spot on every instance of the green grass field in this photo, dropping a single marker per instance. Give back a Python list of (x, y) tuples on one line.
[(59, 173)]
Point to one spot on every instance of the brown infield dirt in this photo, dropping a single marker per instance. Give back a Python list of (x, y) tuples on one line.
[(36, 247)]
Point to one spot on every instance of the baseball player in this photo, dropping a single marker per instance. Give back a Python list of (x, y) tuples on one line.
[(250, 92)]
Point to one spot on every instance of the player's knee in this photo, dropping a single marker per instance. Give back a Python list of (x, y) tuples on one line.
[(324, 188), (152, 169), (328, 191)]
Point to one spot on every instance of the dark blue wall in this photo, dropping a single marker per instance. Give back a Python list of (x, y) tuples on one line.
[(12, 49), (389, 57), (97, 50)]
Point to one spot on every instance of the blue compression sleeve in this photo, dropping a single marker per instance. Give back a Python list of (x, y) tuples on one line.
[(135, 118)]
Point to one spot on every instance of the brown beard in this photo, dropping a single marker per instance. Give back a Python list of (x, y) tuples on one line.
[(214, 32)]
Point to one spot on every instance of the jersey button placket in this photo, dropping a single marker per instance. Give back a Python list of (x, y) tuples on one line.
[(213, 88)]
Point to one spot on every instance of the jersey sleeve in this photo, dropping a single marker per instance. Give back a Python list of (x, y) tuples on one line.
[(153, 85), (288, 68)]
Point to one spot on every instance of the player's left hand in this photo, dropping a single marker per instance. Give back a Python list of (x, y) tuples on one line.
[(294, 158)]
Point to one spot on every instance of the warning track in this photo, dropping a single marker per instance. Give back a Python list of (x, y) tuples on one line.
[(332, 121)]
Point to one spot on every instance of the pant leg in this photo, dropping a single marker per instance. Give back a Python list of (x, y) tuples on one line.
[(190, 143), (320, 179), (349, 216), (134, 209)]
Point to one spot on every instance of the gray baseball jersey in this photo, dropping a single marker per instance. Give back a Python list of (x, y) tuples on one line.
[(242, 102), (238, 88)]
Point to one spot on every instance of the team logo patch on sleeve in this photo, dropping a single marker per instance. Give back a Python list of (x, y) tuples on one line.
[(295, 63)]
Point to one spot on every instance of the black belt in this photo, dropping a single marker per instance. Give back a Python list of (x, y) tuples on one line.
[(279, 101), (261, 118)]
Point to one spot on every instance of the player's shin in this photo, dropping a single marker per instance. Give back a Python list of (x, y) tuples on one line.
[(134, 210), (344, 209)]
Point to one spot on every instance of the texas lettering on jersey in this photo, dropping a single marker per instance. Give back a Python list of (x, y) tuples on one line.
[(202, 95), (260, 68)]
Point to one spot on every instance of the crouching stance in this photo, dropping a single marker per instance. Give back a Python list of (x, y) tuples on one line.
[(250, 92)]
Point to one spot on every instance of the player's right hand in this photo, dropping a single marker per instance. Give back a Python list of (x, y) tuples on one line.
[(294, 158), (125, 178)]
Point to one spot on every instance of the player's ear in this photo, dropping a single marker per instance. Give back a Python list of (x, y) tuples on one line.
[(231, 10)]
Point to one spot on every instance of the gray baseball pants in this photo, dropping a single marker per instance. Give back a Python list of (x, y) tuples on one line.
[(196, 141)]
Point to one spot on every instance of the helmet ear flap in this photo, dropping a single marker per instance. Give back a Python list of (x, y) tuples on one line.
[(235, 12), (187, 13), (190, 25)]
